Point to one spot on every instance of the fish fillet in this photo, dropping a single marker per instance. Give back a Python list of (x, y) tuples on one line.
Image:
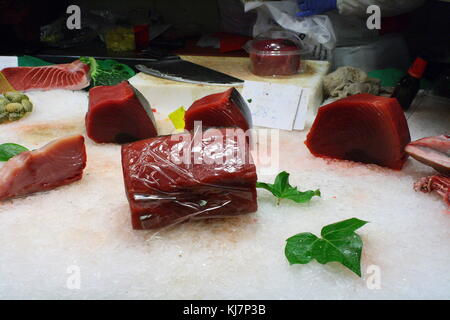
[(118, 114), (71, 76), (58, 163), (216, 110), (432, 151), (363, 128)]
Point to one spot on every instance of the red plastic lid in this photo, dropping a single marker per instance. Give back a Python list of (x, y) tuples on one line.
[(418, 68)]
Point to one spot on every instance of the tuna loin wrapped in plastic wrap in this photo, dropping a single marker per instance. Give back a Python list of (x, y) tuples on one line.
[(225, 109), (119, 114), (170, 179)]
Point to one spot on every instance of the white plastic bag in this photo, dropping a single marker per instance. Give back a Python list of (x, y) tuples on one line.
[(317, 30)]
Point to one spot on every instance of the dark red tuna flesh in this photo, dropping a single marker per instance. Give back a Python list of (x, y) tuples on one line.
[(266, 62), (438, 183), (71, 76), (117, 114), (170, 179), (56, 164), (432, 151), (363, 128), (216, 110)]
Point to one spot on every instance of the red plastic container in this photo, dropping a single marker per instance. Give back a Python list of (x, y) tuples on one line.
[(275, 54)]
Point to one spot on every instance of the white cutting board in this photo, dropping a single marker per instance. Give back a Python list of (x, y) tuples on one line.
[(167, 95), (47, 240)]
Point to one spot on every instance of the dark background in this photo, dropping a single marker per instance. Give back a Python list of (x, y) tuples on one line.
[(427, 29)]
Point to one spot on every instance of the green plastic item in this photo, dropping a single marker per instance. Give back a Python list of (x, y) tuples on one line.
[(29, 61), (390, 77)]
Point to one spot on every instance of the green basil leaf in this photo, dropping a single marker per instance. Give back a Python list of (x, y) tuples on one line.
[(283, 190), (339, 243), (9, 150)]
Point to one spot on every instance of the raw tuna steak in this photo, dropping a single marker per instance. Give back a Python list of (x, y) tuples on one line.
[(225, 109), (363, 128), (58, 163), (71, 76), (170, 179), (432, 151), (119, 114)]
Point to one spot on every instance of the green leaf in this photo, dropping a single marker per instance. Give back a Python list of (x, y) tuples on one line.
[(9, 150), (339, 243), (299, 248), (177, 118), (283, 190), (107, 72)]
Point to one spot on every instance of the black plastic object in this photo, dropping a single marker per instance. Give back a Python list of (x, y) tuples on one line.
[(407, 88)]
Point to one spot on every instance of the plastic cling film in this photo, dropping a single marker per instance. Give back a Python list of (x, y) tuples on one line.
[(205, 174)]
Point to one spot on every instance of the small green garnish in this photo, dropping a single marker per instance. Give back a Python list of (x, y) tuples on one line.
[(9, 150), (249, 100), (107, 72), (339, 243), (283, 190), (177, 118)]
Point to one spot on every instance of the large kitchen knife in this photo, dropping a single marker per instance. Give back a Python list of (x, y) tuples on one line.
[(174, 68)]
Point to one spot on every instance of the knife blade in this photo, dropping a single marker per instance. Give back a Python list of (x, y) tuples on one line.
[(176, 69)]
